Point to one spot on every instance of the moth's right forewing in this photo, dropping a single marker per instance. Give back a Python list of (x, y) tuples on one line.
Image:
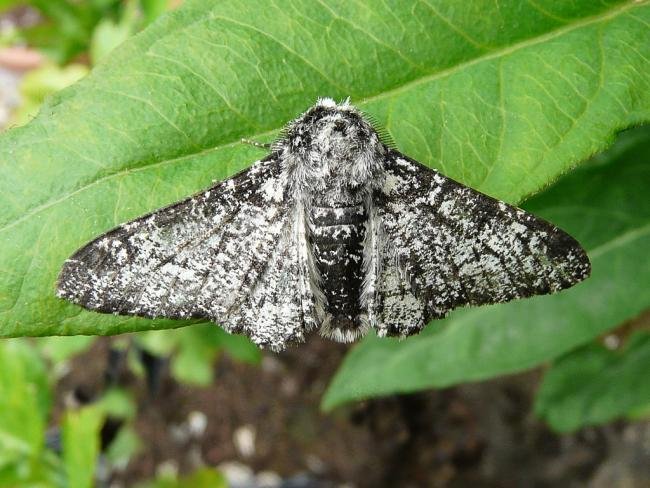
[(205, 257), (449, 245)]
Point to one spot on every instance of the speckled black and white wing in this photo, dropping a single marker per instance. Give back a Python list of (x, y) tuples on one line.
[(446, 245), (229, 255)]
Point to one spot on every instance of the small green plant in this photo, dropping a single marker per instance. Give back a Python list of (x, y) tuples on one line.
[(36, 450), (194, 349), (501, 97), (25, 402), (202, 478)]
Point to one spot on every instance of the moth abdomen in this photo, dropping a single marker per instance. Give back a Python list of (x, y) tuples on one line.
[(337, 237)]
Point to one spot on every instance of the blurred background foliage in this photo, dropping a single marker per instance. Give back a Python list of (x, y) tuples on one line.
[(68, 30), (72, 36), (71, 444)]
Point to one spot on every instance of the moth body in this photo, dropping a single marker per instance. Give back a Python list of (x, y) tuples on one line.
[(332, 161)]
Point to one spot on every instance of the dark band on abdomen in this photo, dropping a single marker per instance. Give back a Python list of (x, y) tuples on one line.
[(337, 242)]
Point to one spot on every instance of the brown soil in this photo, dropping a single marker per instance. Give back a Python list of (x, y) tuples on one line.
[(477, 435)]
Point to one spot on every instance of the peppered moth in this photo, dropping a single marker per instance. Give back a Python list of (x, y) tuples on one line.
[(335, 231)]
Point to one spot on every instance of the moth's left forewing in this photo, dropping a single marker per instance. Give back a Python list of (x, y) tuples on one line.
[(228, 254), (448, 245)]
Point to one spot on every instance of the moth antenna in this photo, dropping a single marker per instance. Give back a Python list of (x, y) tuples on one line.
[(387, 139), (277, 142), (263, 145), (384, 136)]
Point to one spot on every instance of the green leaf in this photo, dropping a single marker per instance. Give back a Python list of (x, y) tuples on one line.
[(80, 432), (72, 24), (193, 369), (117, 403), (45, 37), (40, 472), (238, 346), (24, 406), (193, 360), (126, 445), (605, 206), (194, 349), (505, 105), (593, 385), (67, 27), (109, 34), (152, 9), (61, 349), (202, 478)]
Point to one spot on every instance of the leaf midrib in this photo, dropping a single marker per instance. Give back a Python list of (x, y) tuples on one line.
[(379, 96)]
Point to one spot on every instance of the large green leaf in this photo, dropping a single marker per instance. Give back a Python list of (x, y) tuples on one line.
[(504, 96), (594, 385), (605, 206)]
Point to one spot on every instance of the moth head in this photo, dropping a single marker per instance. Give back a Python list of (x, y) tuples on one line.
[(334, 140), (331, 142)]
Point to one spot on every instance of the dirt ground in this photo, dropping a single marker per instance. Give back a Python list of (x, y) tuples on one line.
[(261, 424)]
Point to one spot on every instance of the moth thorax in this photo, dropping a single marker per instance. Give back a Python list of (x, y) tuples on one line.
[(339, 166), (331, 148)]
